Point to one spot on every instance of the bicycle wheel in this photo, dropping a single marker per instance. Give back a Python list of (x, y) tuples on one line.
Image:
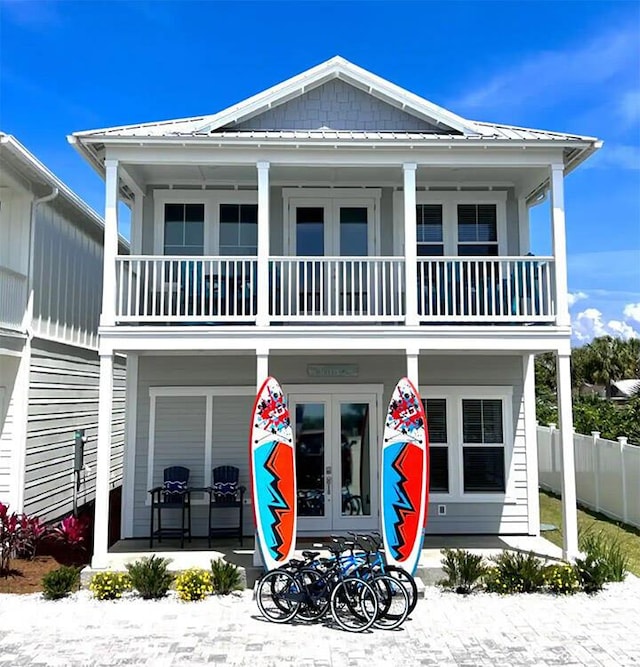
[(407, 581), (354, 605), (393, 602), (316, 593), (278, 596)]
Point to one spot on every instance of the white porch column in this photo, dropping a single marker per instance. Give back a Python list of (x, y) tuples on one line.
[(108, 316), (262, 372), (136, 224), (556, 178), (131, 429), (410, 248), (412, 367), (103, 463), (262, 318), (531, 442), (565, 424)]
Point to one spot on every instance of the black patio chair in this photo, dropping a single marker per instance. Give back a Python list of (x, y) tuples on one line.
[(172, 495), (226, 493)]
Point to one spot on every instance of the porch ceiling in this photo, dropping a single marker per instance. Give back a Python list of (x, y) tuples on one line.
[(210, 175)]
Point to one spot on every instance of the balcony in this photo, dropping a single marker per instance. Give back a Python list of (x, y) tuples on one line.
[(334, 290)]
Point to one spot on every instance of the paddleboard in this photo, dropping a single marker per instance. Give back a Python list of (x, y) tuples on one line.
[(404, 477), (273, 475)]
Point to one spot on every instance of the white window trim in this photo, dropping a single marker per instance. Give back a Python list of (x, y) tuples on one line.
[(454, 396), (331, 199), (208, 393), (449, 202), (211, 200)]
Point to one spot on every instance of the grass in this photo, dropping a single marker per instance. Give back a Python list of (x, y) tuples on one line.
[(592, 522)]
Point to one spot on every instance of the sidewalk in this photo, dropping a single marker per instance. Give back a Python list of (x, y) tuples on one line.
[(445, 630)]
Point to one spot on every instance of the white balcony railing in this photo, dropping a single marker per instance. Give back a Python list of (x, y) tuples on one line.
[(334, 289), (337, 289), (496, 289), (13, 298), (185, 289)]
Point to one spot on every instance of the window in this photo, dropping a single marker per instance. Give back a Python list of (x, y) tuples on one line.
[(310, 231), (436, 409), (184, 229), (239, 229), (483, 446), (429, 230), (477, 229)]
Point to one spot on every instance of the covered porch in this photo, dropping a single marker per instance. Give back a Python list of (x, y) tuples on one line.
[(191, 409)]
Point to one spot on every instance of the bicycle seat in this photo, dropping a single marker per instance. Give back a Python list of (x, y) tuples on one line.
[(310, 555)]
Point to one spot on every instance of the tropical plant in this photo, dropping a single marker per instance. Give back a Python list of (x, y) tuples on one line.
[(592, 572), (609, 551), (31, 532), (150, 577), (225, 577), (72, 530), (515, 572), (109, 585), (9, 535), (60, 582), (561, 578), (464, 570), (193, 584)]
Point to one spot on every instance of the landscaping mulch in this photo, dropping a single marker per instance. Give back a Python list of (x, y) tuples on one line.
[(25, 576)]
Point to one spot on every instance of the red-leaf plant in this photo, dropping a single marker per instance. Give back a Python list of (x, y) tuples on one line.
[(9, 533), (72, 530)]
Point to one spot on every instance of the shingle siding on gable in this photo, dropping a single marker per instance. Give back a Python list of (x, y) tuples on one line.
[(339, 106)]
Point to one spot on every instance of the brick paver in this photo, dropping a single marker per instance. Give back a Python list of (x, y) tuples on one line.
[(445, 630)]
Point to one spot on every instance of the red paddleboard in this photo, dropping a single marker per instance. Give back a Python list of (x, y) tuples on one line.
[(273, 475), (404, 477)]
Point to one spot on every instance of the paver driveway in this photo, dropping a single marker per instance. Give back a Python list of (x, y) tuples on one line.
[(445, 630)]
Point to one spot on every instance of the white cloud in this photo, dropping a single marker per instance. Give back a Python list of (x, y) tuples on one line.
[(574, 297), (632, 312), (590, 324), (622, 329), (548, 76)]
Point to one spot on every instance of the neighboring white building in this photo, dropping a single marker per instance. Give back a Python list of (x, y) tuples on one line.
[(50, 299), (337, 232)]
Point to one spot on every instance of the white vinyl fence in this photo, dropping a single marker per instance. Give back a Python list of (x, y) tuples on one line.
[(607, 472)]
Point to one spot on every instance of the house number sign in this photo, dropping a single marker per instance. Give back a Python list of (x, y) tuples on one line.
[(332, 370)]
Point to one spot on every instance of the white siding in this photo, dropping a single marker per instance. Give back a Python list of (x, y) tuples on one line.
[(230, 426), (67, 280), (64, 397), (8, 399)]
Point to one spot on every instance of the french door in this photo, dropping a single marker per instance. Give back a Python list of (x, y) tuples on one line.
[(330, 229), (336, 460)]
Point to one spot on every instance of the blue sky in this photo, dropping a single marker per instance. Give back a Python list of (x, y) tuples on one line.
[(565, 66)]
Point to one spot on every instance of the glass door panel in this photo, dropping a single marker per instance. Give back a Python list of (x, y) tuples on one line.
[(355, 471), (313, 473), (355, 462)]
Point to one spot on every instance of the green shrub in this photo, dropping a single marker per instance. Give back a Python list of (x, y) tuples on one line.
[(59, 583), (608, 550), (592, 572), (193, 584), (515, 572), (561, 578), (464, 570), (109, 585), (225, 577), (150, 577)]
